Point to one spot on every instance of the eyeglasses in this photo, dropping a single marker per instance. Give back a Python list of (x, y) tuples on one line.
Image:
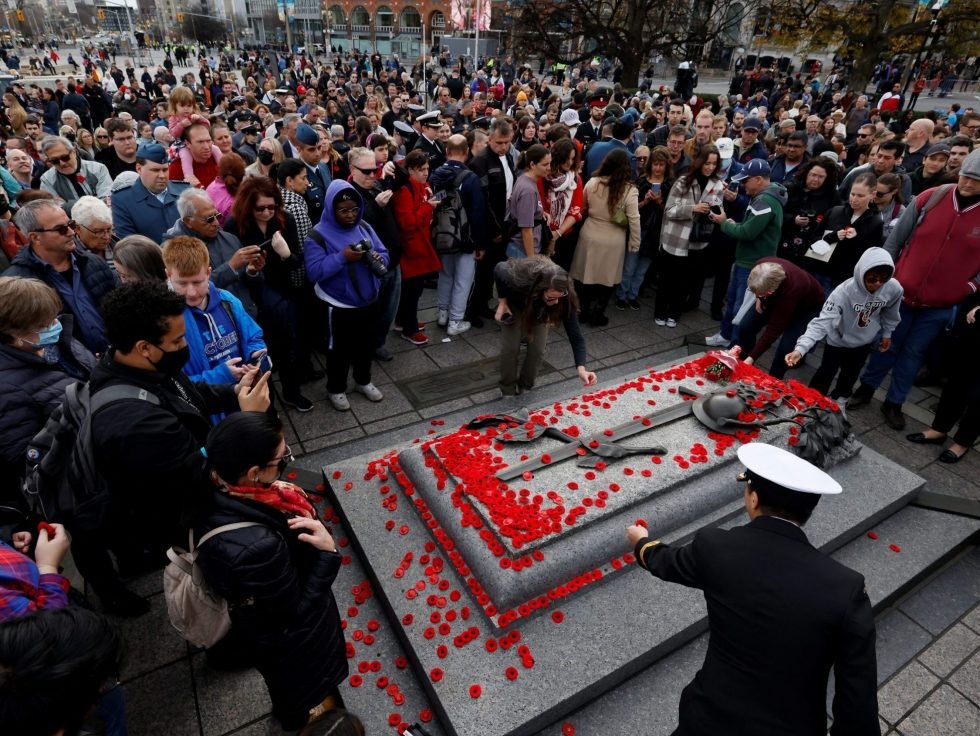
[(209, 219), (348, 211), (104, 232), (68, 227), (58, 160), (124, 139), (864, 135), (879, 193), (368, 172), (101, 136), (282, 461), (872, 279), (265, 208)]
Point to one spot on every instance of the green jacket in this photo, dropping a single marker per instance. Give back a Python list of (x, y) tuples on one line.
[(757, 236)]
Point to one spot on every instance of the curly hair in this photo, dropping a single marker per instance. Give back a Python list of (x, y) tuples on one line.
[(533, 276)]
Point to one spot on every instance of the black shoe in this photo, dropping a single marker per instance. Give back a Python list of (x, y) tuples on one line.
[(125, 603), (893, 415), (920, 439), (475, 321), (949, 457), (634, 305), (599, 319), (861, 396), (383, 355), (926, 377), (621, 305), (299, 402), (312, 374)]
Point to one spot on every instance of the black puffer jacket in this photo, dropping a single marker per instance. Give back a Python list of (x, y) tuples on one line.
[(282, 605), (30, 389)]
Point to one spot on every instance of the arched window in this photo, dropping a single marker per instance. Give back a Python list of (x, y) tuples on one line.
[(337, 17), (359, 16), (411, 18), (438, 20), (731, 33)]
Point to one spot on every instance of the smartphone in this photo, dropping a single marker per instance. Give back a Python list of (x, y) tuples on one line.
[(715, 209), (263, 361), (655, 188), (733, 186)]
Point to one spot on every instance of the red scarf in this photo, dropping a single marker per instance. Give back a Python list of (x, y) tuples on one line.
[(288, 498)]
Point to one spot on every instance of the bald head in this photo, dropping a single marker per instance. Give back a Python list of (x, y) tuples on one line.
[(457, 148), (920, 130)]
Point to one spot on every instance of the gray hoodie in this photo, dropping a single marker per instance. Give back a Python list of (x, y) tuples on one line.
[(852, 316)]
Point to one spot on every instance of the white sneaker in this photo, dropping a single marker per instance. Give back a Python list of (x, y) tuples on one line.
[(370, 391), (716, 341), (442, 317), (671, 323), (457, 327), (339, 402), (660, 322)]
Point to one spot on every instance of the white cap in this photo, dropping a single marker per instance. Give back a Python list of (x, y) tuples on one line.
[(569, 118), (786, 470), (430, 119), (726, 147)]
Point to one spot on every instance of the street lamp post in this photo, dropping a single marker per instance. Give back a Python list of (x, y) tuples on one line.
[(934, 8)]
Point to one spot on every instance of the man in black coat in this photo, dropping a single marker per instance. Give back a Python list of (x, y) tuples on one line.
[(495, 168), (82, 280), (429, 125), (148, 450), (780, 613)]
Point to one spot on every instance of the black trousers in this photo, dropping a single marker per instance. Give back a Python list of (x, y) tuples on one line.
[(350, 345), (407, 316), (672, 285), (960, 401), (849, 361), (483, 280)]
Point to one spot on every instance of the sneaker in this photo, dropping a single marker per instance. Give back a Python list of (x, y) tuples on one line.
[(399, 328), (660, 321), (634, 305), (383, 355), (457, 327), (417, 339), (621, 305), (370, 391), (339, 402), (671, 323), (861, 396), (717, 341), (442, 317), (299, 402)]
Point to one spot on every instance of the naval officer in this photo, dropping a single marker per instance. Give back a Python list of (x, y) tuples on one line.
[(780, 613)]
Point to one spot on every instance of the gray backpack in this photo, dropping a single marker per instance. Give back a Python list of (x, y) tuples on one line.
[(199, 615)]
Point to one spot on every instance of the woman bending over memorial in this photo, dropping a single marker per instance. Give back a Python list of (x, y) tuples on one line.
[(535, 294)]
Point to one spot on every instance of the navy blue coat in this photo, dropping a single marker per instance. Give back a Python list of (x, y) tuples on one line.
[(136, 211)]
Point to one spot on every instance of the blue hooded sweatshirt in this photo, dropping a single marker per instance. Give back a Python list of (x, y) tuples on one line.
[(217, 333), (343, 284)]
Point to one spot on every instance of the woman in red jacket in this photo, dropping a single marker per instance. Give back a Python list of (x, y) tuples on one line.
[(413, 212)]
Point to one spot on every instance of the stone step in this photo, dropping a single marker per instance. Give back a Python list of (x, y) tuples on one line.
[(647, 702)]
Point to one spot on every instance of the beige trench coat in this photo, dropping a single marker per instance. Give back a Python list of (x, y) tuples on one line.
[(602, 245)]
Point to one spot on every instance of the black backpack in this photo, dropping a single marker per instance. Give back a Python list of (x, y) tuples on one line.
[(61, 482), (450, 224)]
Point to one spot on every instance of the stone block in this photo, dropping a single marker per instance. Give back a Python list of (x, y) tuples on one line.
[(967, 679), (228, 700), (151, 641), (395, 527), (945, 712), (899, 640), (944, 599), (950, 650), (161, 703), (903, 692)]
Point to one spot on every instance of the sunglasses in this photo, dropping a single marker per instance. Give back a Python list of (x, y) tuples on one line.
[(265, 208), (69, 227), (209, 219), (369, 172), (879, 193), (283, 461), (58, 160)]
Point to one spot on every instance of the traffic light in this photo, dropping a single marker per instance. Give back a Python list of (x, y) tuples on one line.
[(180, 17), (101, 14), (20, 16)]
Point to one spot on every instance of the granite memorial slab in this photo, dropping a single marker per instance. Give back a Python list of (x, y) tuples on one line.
[(502, 562)]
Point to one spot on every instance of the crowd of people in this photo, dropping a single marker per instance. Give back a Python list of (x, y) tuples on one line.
[(190, 236)]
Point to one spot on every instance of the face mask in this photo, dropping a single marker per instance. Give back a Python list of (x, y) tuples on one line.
[(172, 361), (265, 157), (48, 336)]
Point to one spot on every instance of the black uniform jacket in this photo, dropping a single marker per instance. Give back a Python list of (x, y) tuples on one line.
[(780, 615)]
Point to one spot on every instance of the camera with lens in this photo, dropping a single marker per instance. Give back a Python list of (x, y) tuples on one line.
[(371, 257)]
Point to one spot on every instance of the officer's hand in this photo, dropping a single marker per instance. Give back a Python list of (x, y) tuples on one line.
[(635, 532)]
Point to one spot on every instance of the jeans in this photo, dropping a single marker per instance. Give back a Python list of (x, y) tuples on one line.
[(109, 716), (515, 251), (634, 271), (510, 348), (389, 294), (733, 300), (455, 281), (919, 327)]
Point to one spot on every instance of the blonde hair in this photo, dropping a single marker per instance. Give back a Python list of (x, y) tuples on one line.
[(26, 304), (765, 278), (185, 256)]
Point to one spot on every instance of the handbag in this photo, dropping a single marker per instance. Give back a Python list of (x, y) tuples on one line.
[(619, 218), (701, 228)]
